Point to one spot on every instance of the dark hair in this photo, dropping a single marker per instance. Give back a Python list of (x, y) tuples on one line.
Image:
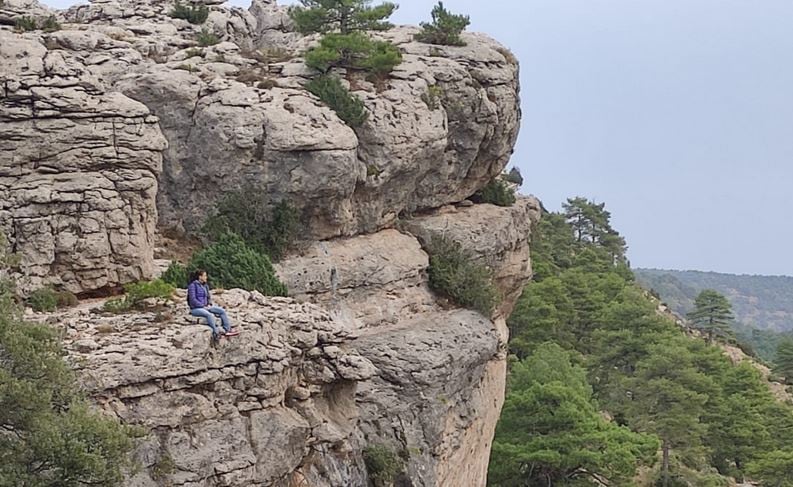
[(196, 274)]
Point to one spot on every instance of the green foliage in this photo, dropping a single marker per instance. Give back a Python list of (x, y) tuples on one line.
[(382, 464), (444, 29), (332, 92), (432, 97), (231, 263), (136, 293), (496, 192), (758, 301), (783, 359), (50, 24), (353, 51), (43, 300), (46, 299), (25, 24), (774, 469), (714, 419), (139, 291), (712, 314), (176, 275), (454, 273), (206, 38), (51, 437), (552, 433), (250, 214), (344, 16), (195, 14)]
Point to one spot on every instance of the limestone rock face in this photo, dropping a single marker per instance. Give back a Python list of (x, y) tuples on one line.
[(78, 171), (247, 412), (120, 123)]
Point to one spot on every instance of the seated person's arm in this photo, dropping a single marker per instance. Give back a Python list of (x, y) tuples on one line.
[(191, 298)]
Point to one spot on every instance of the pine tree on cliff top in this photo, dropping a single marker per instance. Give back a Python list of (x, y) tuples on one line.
[(342, 16)]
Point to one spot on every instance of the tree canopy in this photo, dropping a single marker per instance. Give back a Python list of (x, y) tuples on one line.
[(711, 419), (712, 314)]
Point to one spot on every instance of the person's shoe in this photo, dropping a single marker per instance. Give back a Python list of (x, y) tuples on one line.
[(232, 333)]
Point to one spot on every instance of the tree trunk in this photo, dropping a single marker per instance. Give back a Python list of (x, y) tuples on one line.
[(665, 464)]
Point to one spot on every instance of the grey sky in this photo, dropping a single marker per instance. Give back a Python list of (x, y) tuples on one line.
[(677, 113)]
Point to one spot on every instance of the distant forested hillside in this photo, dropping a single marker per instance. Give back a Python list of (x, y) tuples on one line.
[(763, 305), (764, 302)]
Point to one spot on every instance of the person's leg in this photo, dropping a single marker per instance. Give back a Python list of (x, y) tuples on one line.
[(224, 319), (204, 313)]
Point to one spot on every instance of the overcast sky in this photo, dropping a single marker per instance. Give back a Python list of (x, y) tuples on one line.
[(677, 113)]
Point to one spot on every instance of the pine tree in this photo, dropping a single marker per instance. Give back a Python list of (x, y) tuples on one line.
[(668, 394), (712, 314), (342, 16), (784, 359), (591, 224), (774, 468), (552, 433)]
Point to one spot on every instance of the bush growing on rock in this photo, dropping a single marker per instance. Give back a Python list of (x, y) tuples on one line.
[(195, 14), (51, 24), (496, 192), (347, 106), (137, 293), (231, 263), (353, 51), (445, 28), (25, 24), (43, 300), (206, 38), (247, 213), (454, 273), (382, 464), (176, 275)]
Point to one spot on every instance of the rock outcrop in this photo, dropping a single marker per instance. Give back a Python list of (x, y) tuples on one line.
[(78, 171), (120, 124)]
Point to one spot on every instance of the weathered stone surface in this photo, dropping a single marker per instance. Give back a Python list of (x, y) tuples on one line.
[(497, 236), (78, 171), (122, 105), (225, 414)]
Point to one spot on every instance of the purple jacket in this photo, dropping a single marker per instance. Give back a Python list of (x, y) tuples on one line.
[(197, 295)]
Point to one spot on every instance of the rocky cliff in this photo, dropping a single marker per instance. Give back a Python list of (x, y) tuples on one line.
[(120, 127)]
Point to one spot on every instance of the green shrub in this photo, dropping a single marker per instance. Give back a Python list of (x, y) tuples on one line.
[(332, 92), (66, 299), (50, 434), (25, 24), (382, 464), (353, 51), (444, 29), (43, 299), (246, 213), (496, 192), (432, 97), (51, 24), (115, 305), (136, 293), (195, 14), (231, 263), (454, 273), (176, 275), (206, 38)]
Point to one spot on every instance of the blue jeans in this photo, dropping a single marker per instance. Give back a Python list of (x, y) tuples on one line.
[(208, 314)]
